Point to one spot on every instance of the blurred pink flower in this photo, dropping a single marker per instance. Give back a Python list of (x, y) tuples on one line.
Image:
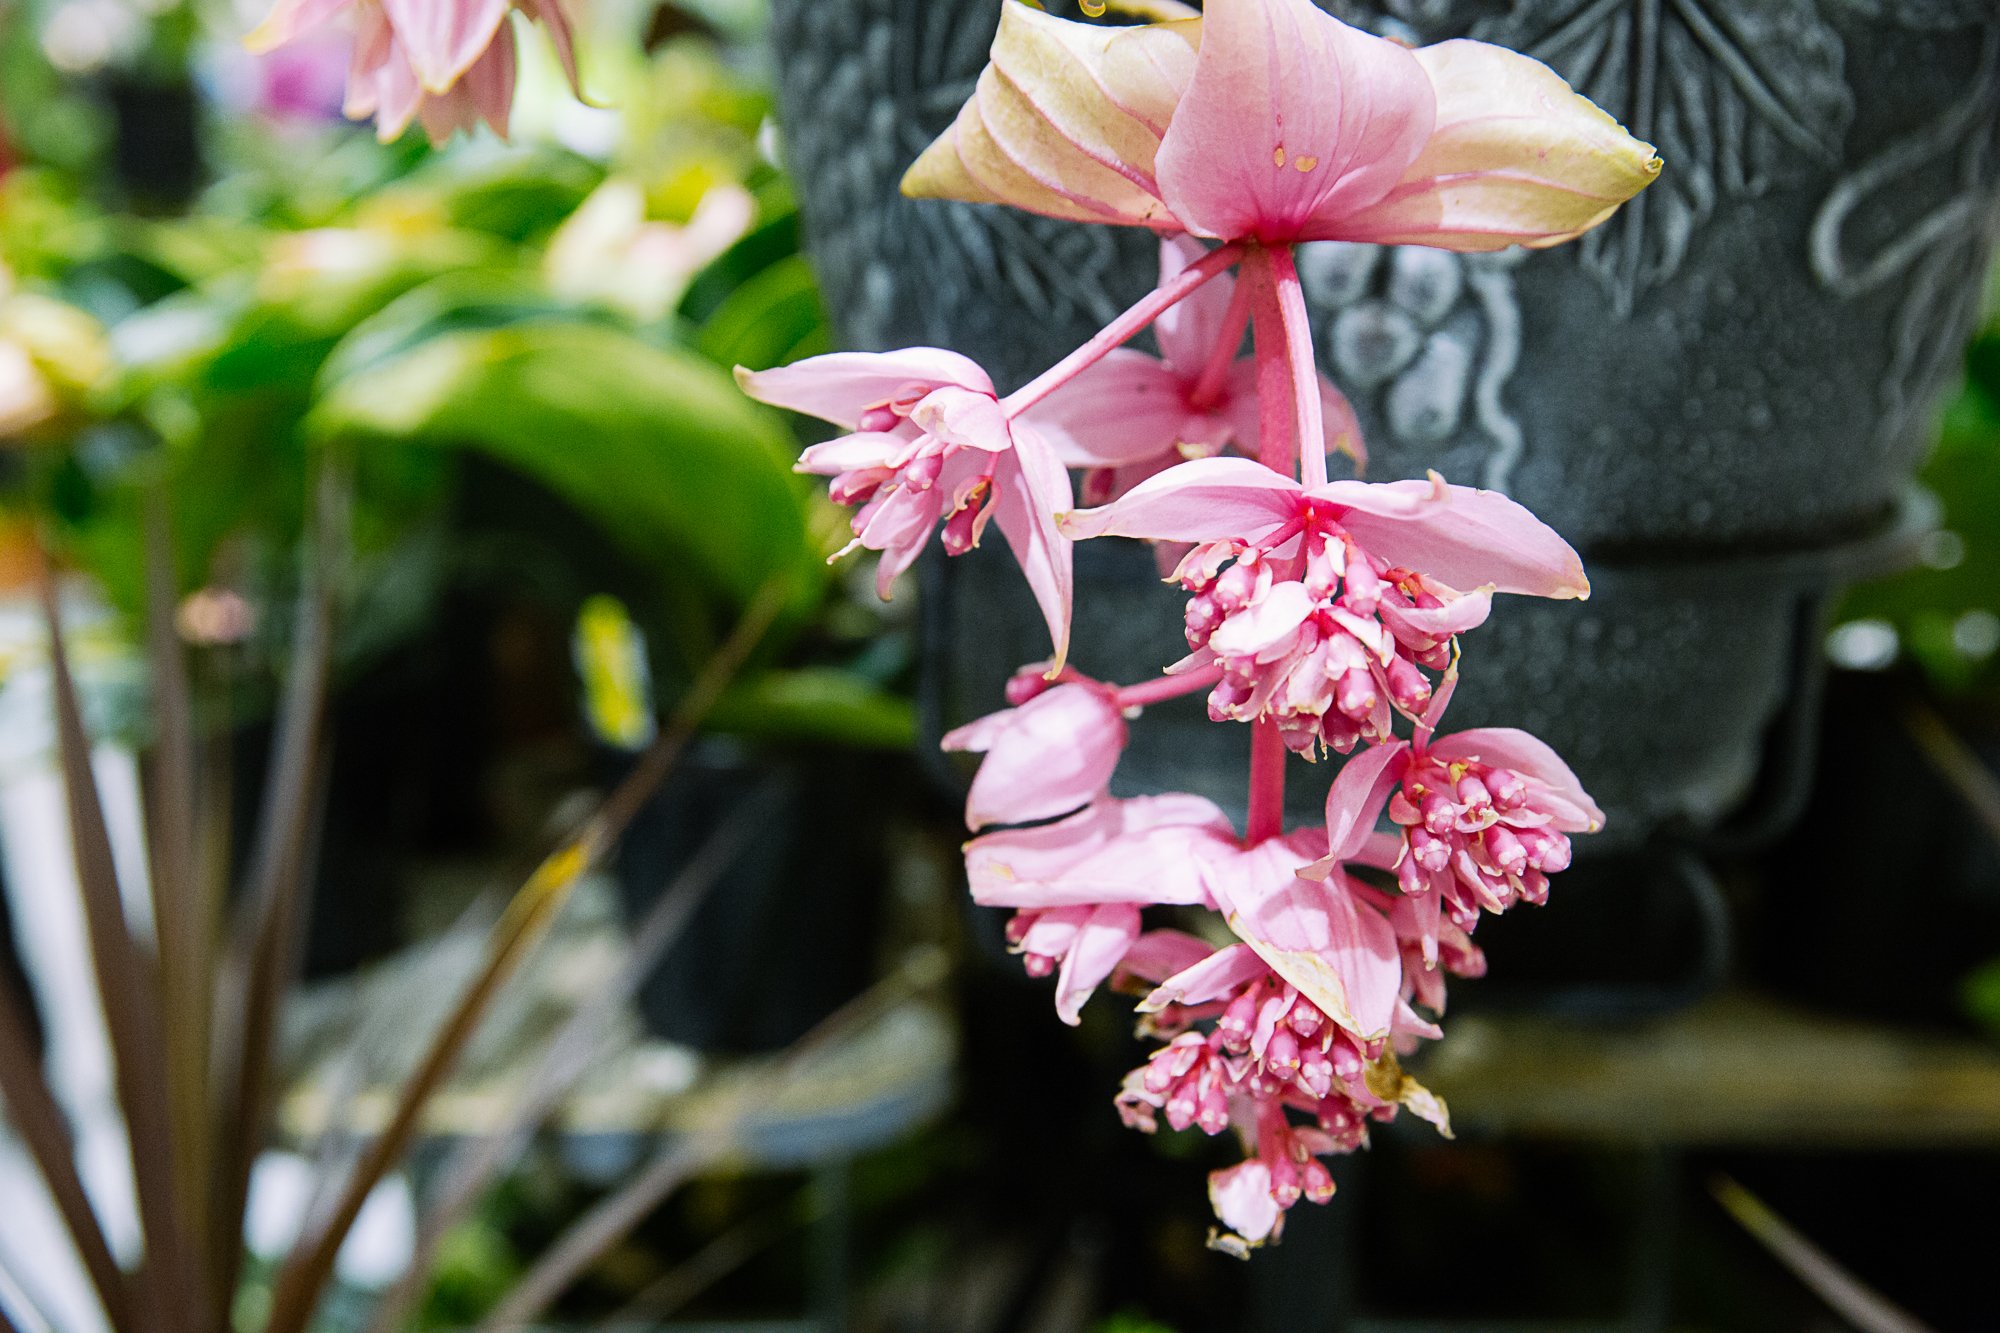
[(446, 63)]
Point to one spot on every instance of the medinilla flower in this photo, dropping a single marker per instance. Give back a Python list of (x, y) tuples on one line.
[(1484, 817), (1333, 596), (448, 64), (929, 443), (1132, 415), (1272, 121)]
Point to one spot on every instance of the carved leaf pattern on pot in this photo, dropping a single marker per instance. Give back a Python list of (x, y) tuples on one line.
[(1736, 94), (1423, 343), (867, 85)]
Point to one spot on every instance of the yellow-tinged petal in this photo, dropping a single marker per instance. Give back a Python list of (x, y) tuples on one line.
[(1516, 158), (1066, 119)]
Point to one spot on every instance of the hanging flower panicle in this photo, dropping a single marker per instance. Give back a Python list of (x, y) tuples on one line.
[(1323, 614)]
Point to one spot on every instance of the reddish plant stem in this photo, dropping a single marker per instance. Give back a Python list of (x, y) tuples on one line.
[(1215, 375), (1167, 687), (1266, 817), (1122, 329), (1311, 423), (1267, 784)]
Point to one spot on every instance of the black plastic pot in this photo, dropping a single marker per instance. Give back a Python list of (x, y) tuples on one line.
[(787, 933)]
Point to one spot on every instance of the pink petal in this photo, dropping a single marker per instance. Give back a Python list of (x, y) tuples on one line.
[(1065, 121), (444, 37), (1147, 849), (1197, 501), (840, 386), (1158, 954), (1441, 622), (965, 417), (1031, 488), (1460, 535), (1189, 331), (1049, 756), (1100, 943), (1357, 796), (1341, 956), (1515, 158), (1275, 617), (551, 15), (289, 19), (1241, 1197), (1126, 409), (1532, 758), (1212, 978), (845, 453), (1291, 121)]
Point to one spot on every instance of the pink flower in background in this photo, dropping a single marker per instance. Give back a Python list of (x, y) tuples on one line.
[(446, 63), (1131, 415), (1333, 596), (930, 444)]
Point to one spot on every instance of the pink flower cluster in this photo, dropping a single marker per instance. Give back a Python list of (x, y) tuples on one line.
[(1283, 973), (446, 64)]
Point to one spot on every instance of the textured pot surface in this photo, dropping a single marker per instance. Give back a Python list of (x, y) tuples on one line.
[(1741, 364), (1745, 355)]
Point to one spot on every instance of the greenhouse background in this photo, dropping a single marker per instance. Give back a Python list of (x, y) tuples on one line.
[(492, 837)]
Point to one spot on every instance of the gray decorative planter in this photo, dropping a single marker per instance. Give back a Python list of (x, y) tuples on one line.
[(1718, 397)]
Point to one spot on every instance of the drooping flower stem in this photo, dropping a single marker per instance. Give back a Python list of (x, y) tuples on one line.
[(1266, 818), (1215, 374), (1168, 687), (1305, 374), (1122, 329)]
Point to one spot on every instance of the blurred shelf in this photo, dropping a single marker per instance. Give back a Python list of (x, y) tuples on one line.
[(352, 1039), (1736, 1070)]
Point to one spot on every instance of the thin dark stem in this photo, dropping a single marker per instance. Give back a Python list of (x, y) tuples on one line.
[(32, 1110), (465, 1179), (182, 915), (614, 1217), (128, 987), (265, 944)]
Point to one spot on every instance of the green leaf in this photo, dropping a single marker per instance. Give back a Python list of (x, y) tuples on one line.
[(654, 443), (765, 318), (817, 704)]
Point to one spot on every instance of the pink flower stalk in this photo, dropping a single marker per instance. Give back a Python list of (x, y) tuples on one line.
[(1319, 611), (1132, 416), (1334, 596), (1273, 121), (929, 443), (448, 64)]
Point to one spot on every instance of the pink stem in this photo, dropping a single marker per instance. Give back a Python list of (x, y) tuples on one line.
[(1305, 374), (1274, 389), (1215, 374), (1166, 687), (1267, 784), (1122, 329)]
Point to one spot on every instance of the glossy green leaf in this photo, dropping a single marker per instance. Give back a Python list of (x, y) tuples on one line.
[(654, 443), (817, 704)]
